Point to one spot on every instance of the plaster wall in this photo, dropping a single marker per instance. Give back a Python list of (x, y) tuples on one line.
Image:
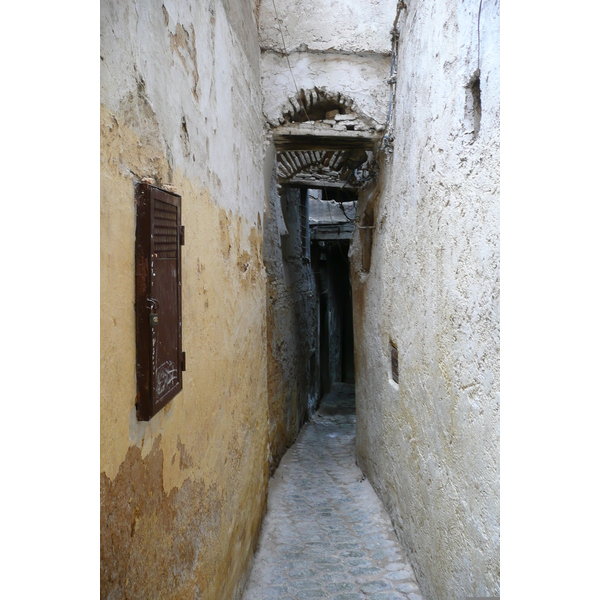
[(430, 444), (338, 46), (183, 495), (336, 25), (291, 322), (362, 79)]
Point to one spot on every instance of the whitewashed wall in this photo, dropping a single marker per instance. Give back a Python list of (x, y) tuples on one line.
[(430, 445), (341, 46), (210, 78), (336, 25)]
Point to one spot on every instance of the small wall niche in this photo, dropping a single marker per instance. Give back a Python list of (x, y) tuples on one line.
[(394, 376), (473, 105)]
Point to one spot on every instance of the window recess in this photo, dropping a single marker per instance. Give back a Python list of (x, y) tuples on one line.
[(160, 360)]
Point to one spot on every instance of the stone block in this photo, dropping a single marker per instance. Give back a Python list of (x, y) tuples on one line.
[(348, 117)]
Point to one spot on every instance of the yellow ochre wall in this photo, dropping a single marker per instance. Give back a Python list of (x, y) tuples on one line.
[(183, 495)]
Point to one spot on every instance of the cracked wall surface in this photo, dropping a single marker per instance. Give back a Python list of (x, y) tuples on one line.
[(340, 47), (345, 26), (361, 78), (183, 495), (430, 444), (291, 323)]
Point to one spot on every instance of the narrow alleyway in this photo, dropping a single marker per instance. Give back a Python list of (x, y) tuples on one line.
[(296, 198), (326, 533)]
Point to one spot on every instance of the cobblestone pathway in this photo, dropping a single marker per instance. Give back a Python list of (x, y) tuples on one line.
[(326, 533)]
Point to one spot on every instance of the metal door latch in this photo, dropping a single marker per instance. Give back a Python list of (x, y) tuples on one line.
[(154, 306)]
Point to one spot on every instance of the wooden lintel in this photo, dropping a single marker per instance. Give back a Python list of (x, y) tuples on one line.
[(316, 184), (289, 138)]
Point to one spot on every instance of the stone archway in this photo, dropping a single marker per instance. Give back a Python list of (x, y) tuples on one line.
[(314, 105), (324, 139)]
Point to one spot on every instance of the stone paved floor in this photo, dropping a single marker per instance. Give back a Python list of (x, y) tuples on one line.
[(326, 533)]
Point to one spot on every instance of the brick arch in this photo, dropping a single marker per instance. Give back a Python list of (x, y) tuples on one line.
[(321, 167), (294, 162), (315, 102)]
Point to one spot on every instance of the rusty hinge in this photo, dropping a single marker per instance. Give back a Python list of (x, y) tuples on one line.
[(182, 236), (183, 361)]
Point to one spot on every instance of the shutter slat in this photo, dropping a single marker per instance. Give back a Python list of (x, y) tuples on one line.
[(158, 293)]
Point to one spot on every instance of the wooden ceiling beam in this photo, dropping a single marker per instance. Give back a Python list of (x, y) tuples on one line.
[(288, 138)]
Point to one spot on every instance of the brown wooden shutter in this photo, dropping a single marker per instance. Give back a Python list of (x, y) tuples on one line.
[(160, 360)]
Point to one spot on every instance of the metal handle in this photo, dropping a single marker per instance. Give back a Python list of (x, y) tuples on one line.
[(153, 304)]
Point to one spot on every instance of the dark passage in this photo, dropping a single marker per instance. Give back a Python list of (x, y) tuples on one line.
[(330, 261), (331, 230)]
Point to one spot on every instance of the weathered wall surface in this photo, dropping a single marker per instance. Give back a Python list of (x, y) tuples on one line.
[(362, 79), (291, 323), (338, 25), (182, 496), (340, 47), (342, 50), (430, 445)]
